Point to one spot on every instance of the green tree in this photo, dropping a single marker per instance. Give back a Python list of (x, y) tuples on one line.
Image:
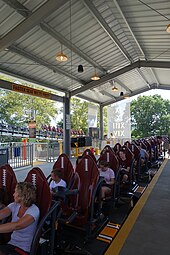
[(79, 114), (15, 109), (150, 115)]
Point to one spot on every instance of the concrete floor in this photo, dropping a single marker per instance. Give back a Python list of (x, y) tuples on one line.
[(46, 167)]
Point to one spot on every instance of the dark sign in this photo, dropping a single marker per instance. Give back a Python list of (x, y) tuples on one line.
[(32, 129)]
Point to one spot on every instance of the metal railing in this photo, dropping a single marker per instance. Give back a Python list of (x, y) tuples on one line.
[(46, 151), (20, 156)]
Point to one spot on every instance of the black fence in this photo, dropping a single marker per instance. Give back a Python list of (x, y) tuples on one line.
[(20, 156)]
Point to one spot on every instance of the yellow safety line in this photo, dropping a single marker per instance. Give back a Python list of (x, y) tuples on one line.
[(38, 163), (123, 233)]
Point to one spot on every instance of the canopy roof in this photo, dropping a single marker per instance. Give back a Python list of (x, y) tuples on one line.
[(124, 40)]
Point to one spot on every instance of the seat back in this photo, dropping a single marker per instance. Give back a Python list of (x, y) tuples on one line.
[(106, 148), (43, 200), (110, 157), (128, 144), (89, 152), (128, 151), (149, 149), (89, 175), (64, 164), (154, 149), (135, 150), (52, 215), (117, 147), (73, 200), (8, 181), (130, 159)]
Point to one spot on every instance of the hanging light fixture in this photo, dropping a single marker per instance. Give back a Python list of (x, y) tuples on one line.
[(114, 89), (95, 77), (168, 28), (61, 57), (80, 69)]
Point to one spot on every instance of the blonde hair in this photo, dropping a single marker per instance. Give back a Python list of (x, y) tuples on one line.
[(27, 193)]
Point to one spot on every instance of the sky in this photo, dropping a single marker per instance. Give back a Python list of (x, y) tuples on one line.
[(165, 94)]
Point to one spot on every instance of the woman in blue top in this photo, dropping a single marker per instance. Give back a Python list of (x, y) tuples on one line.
[(25, 215)]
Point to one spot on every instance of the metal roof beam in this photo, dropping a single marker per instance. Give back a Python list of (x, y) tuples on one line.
[(134, 93), (33, 20), (166, 87), (31, 80), (154, 75), (155, 64), (143, 77), (127, 24), (88, 99), (45, 27), (18, 7), (107, 77), (106, 94), (43, 63), (8, 85), (122, 85), (106, 27)]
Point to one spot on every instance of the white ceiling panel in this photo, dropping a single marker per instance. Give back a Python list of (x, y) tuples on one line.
[(124, 41)]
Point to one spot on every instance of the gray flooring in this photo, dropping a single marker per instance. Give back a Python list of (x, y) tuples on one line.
[(46, 167), (151, 232)]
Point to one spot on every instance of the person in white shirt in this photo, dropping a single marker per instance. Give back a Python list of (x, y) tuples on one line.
[(24, 219), (57, 181), (109, 178)]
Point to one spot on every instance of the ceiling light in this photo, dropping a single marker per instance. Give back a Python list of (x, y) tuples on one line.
[(95, 77), (115, 88), (168, 28), (80, 69), (61, 57), (121, 94)]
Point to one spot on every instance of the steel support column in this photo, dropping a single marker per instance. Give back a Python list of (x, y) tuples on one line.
[(66, 126), (101, 122)]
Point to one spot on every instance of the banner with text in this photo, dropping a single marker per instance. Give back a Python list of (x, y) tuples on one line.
[(119, 120), (92, 115)]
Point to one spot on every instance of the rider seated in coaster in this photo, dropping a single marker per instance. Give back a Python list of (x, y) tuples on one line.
[(124, 166), (56, 175), (109, 178), (25, 215), (143, 155)]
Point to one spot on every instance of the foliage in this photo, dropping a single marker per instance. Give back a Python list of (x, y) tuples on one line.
[(150, 115), (16, 108), (79, 114)]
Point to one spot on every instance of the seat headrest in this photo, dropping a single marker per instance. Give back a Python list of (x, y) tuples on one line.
[(44, 197), (89, 175), (8, 181), (89, 152), (64, 164)]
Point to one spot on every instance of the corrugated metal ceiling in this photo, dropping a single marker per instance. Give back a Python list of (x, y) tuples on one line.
[(125, 40)]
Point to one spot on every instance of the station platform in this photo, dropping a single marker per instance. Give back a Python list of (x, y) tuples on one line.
[(46, 167), (146, 230)]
